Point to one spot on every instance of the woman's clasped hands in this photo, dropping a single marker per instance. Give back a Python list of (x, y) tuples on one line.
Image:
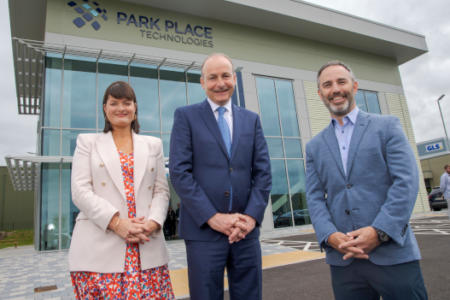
[(133, 230)]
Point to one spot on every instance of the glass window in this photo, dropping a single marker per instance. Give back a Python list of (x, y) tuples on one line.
[(79, 100), (69, 210), (172, 94), (69, 141), (368, 101), (268, 106), (288, 113), (373, 104), (196, 93), (275, 147), (360, 102), (79, 93), (50, 142), (52, 97), (108, 72), (281, 209), (49, 207), (166, 143), (144, 81), (277, 106), (298, 195), (293, 148)]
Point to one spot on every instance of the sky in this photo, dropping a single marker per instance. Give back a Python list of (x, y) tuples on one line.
[(424, 78)]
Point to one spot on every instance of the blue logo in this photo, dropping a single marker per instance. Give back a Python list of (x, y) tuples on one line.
[(434, 147), (89, 12)]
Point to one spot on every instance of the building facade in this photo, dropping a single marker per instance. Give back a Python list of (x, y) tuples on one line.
[(16, 207), (70, 51), (434, 155)]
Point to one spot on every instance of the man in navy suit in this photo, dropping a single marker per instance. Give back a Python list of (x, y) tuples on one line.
[(219, 166), (361, 185)]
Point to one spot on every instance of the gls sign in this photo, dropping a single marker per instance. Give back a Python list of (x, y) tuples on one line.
[(434, 147), (168, 30)]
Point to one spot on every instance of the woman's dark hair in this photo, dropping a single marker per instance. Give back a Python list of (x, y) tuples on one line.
[(120, 90)]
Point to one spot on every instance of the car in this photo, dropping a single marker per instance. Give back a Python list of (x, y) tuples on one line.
[(436, 199), (301, 217)]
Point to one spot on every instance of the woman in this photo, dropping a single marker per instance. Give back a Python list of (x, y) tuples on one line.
[(119, 184)]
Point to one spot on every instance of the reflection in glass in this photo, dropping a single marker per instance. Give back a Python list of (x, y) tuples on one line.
[(288, 113), (268, 106), (144, 81), (108, 72), (296, 171), (281, 208), (50, 142), (49, 207), (69, 141), (275, 105), (166, 144), (293, 148), (52, 91), (275, 147), (79, 94), (372, 102), (196, 93), (173, 95), (360, 102), (69, 210), (368, 101)]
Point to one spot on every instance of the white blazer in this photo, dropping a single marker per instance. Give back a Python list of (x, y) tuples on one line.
[(98, 191)]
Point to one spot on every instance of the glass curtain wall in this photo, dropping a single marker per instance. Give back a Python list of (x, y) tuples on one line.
[(368, 101), (280, 125), (74, 89)]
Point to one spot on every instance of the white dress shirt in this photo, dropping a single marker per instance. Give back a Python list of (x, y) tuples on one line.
[(228, 115)]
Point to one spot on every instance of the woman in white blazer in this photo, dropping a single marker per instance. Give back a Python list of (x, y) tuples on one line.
[(119, 184)]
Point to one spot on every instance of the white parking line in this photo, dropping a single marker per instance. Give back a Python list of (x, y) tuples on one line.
[(308, 244)]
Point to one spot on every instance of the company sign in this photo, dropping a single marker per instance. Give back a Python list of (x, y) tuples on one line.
[(435, 147), (88, 13), (147, 27), (168, 30)]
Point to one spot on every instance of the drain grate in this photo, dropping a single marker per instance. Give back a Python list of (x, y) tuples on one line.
[(46, 288)]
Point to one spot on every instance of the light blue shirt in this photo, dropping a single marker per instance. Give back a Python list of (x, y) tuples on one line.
[(445, 185), (344, 134)]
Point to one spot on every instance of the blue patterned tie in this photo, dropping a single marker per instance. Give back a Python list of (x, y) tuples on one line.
[(224, 129)]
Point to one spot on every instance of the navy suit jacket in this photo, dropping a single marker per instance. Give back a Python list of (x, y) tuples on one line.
[(202, 172), (379, 189)]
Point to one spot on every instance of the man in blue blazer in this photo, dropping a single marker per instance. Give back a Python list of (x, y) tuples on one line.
[(219, 166), (361, 185)]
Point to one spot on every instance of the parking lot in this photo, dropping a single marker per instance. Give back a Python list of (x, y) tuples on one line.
[(311, 280)]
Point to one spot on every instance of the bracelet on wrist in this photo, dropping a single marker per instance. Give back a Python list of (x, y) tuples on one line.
[(114, 227)]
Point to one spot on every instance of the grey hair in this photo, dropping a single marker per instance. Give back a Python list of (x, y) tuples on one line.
[(335, 63), (214, 55)]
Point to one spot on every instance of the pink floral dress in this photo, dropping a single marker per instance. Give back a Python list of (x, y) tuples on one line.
[(133, 283)]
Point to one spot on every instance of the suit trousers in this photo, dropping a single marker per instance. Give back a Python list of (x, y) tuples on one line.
[(207, 261), (362, 279)]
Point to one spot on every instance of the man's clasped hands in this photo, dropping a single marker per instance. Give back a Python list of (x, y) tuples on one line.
[(357, 244), (236, 226)]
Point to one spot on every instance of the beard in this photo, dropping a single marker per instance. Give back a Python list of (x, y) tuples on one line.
[(343, 109)]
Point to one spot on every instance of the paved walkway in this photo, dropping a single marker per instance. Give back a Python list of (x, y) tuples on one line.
[(22, 270)]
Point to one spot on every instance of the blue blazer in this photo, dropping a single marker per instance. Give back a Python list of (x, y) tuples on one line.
[(202, 172), (379, 190)]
